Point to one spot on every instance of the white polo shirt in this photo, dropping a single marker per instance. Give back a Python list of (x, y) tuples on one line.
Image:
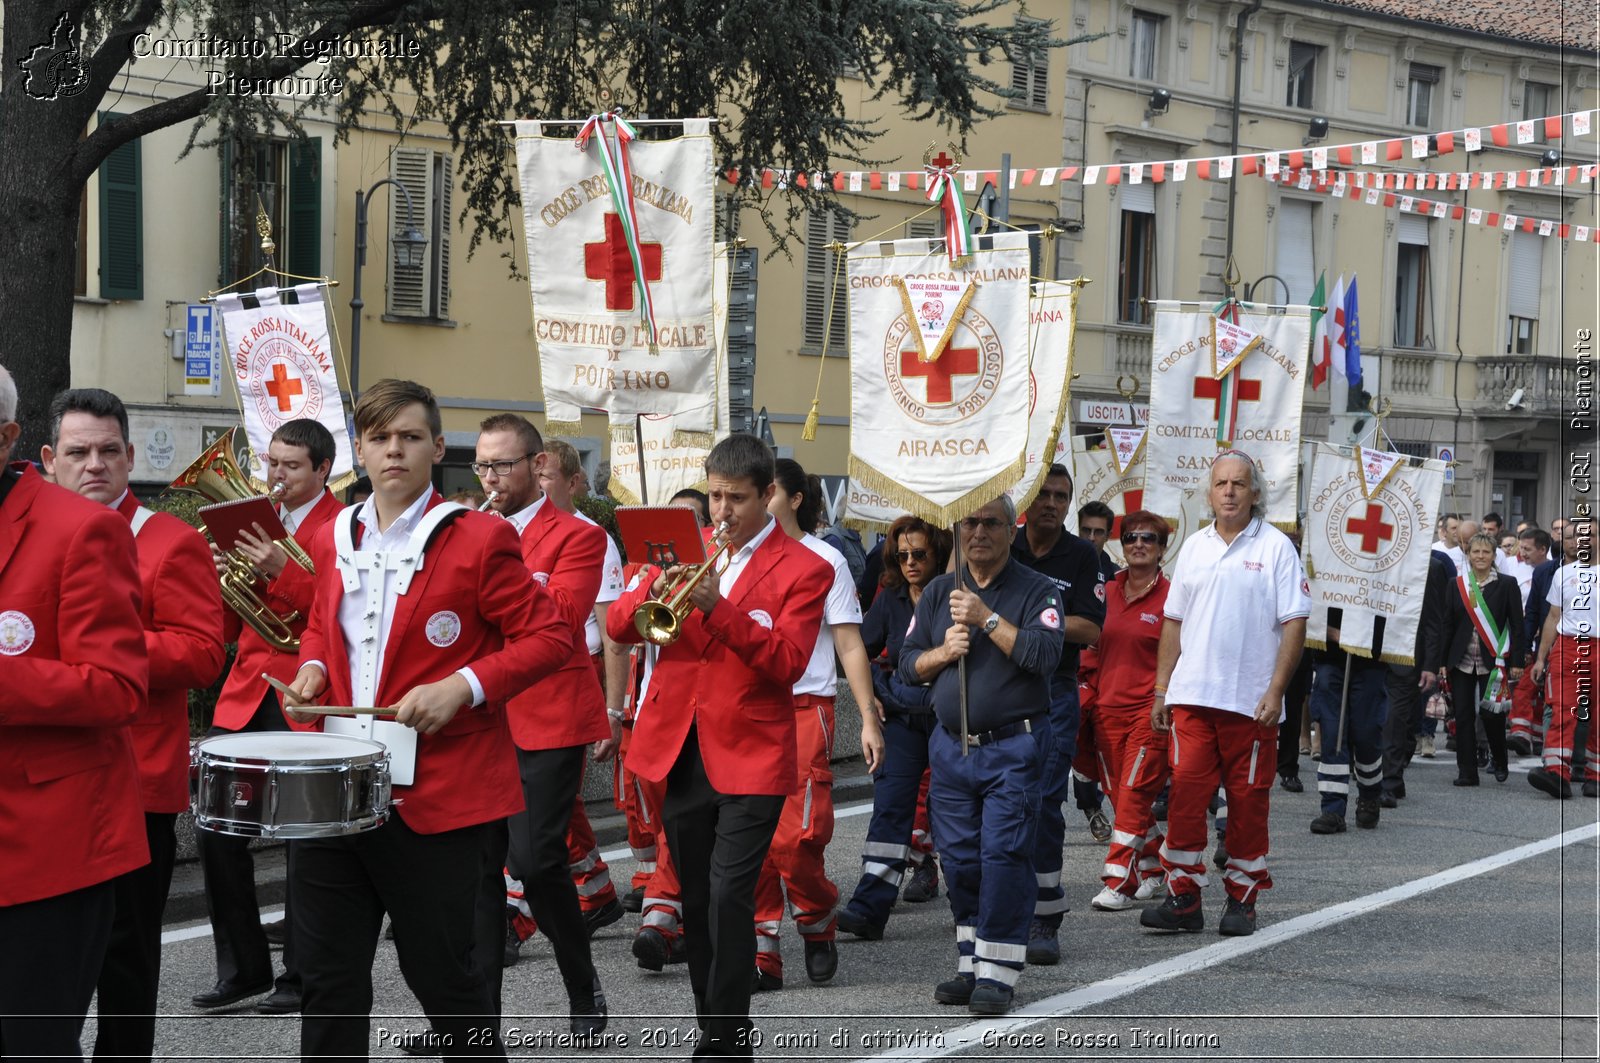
[(842, 607), (1573, 592), (1233, 599), (610, 586)]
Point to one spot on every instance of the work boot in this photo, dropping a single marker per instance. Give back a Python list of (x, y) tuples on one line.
[(1367, 812), (1180, 911), (924, 884), (1551, 783), (1043, 948), (1238, 919)]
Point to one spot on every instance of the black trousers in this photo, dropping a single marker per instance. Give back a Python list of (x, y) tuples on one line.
[(1294, 709), (538, 856), (243, 956), (429, 884), (132, 970), (1400, 727), (489, 926), (51, 955), (718, 844), (1466, 691)]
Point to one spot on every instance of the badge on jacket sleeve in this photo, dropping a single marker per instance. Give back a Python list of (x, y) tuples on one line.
[(762, 617), (443, 628), (542, 578), (16, 633)]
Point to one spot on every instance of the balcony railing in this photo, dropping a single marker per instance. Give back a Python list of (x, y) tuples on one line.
[(1546, 384)]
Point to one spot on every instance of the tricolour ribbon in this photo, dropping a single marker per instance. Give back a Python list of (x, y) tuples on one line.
[(943, 190), (619, 176), (1498, 688)]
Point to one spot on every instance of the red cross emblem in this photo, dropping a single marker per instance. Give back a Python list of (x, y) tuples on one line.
[(941, 161), (609, 261), (1372, 529), (1132, 502), (956, 361), (284, 387), (1207, 388)]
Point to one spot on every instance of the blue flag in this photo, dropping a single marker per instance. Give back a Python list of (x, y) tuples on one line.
[(1352, 335)]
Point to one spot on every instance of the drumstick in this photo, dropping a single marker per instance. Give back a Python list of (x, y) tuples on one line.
[(321, 710)]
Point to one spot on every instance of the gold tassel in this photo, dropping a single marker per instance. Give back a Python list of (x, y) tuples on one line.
[(809, 432)]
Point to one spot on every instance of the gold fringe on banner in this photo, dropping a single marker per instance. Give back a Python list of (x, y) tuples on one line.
[(1027, 497), (1398, 658), (939, 516), (684, 438), (563, 428), (620, 433)]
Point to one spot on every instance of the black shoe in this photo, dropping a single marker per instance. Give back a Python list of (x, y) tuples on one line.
[(1591, 788), (512, 951), (1501, 773), (283, 1001), (1158, 810), (1387, 800), (990, 998), (426, 1043), (1551, 783), (275, 933), (1521, 745), (1219, 856), (1180, 911), (589, 1013), (388, 931), (853, 923), (767, 983), (1328, 823), (633, 900), (224, 993), (822, 960), (1367, 813), (654, 950), (1450, 744), (1238, 919), (1100, 830), (924, 884), (1462, 780), (1292, 784), (603, 916), (957, 990), (1400, 791)]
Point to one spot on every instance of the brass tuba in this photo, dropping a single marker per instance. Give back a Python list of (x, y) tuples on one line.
[(216, 477), (660, 620)]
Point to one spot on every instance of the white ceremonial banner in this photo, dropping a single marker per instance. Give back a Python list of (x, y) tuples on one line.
[(595, 346), (937, 432), (1105, 475), (672, 466), (283, 367), (1052, 319), (1368, 532), (1254, 408)]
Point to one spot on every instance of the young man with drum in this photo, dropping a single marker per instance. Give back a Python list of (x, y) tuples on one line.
[(422, 608), (70, 820), (299, 460), (90, 454)]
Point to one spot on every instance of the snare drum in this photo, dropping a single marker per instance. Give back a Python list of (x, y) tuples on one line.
[(289, 784)]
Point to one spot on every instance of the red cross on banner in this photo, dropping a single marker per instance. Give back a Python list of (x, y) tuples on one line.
[(284, 387), (1225, 394), (1132, 502), (610, 262), (1372, 528), (956, 361)]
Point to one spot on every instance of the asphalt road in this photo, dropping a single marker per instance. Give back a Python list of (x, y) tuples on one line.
[(1463, 927)]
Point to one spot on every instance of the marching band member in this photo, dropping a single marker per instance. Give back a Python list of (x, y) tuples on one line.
[(300, 457), (554, 721), (718, 725), (424, 608), (70, 819), (796, 854), (90, 454)]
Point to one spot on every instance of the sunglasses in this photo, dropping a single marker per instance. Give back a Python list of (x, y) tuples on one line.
[(912, 555), (1146, 537), (972, 524)]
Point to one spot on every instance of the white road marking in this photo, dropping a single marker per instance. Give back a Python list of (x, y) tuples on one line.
[(963, 1038)]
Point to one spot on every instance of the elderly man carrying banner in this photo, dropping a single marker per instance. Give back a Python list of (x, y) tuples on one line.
[(1235, 627)]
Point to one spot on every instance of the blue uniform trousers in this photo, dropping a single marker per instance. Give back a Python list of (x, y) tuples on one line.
[(1365, 711), (894, 810), (1051, 901)]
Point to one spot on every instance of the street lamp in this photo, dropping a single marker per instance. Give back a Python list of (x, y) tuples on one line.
[(409, 248)]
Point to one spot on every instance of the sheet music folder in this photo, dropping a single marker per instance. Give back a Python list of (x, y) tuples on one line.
[(662, 535), (225, 520)]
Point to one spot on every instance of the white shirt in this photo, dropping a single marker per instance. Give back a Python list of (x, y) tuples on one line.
[(293, 518), (610, 585), (737, 562), (842, 607), (1573, 592), (1519, 570), (524, 516), (1233, 600), (1459, 557)]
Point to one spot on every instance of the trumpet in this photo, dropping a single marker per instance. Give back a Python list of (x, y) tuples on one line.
[(660, 620), (488, 503)]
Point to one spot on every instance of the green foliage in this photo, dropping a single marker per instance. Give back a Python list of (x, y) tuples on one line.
[(603, 511)]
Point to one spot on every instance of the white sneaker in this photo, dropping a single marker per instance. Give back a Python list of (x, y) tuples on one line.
[(1150, 889), (1425, 746), (1110, 900)]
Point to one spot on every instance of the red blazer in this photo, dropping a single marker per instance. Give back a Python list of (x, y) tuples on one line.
[(732, 673), (73, 663), (566, 556), (510, 632), (182, 618), (292, 591)]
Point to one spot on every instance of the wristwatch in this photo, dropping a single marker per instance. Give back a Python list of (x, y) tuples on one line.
[(990, 624)]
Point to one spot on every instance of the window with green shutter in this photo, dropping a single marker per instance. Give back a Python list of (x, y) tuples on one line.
[(121, 223), (283, 179), (304, 254)]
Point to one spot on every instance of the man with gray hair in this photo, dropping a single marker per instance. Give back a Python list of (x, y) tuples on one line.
[(1235, 627), (1006, 622)]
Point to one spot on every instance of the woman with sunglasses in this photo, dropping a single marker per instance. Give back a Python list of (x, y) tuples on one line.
[(1123, 677), (913, 553)]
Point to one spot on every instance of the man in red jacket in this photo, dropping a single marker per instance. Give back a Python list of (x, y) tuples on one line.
[(300, 457), (554, 721), (718, 726), (424, 608), (90, 454), (70, 821)]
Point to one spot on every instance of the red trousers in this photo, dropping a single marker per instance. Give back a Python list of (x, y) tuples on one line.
[(645, 835), (663, 898), (589, 873), (1209, 746), (1527, 709), (1133, 768), (1570, 688), (804, 829)]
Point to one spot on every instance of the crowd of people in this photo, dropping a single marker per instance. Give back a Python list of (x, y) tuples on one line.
[(999, 667)]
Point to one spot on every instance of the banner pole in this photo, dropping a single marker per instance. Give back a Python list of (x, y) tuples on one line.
[(638, 449), (1344, 702), (961, 665)]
